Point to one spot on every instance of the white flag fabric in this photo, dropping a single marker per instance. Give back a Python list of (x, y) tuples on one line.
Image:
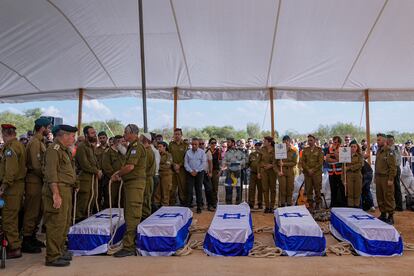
[(164, 232), (297, 233), (368, 235), (231, 231), (91, 236)]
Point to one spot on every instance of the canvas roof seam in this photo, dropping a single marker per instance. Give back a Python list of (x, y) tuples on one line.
[(273, 42), (181, 43), (20, 75), (83, 39), (365, 43)]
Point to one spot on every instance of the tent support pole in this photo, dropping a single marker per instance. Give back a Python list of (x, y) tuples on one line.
[(367, 124), (80, 107), (272, 113), (143, 85), (175, 106)]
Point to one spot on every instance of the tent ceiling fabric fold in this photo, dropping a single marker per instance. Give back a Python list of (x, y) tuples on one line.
[(213, 50)]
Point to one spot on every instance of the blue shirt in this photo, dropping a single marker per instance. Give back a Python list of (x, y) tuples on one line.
[(195, 160)]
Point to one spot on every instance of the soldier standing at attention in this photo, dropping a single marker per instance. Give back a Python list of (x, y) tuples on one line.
[(104, 181), (12, 174), (88, 166), (134, 177), (312, 162), (255, 183), (60, 180), (35, 152), (354, 175), (149, 172), (285, 173), (267, 174), (178, 150), (385, 172), (112, 161), (162, 194)]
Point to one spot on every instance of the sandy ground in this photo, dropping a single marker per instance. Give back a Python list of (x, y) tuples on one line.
[(199, 264)]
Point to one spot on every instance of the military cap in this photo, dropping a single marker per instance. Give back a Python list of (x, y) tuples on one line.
[(164, 144), (381, 135), (286, 137), (42, 121), (389, 136), (55, 130), (353, 142), (8, 126), (102, 133), (66, 128)]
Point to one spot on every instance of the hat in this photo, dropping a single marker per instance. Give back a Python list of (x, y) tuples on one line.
[(381, 135), (42, 121), (55, 130), (8, 126), (102, 133), (66, 128), (147, 136), (285, 138), (353, 142)]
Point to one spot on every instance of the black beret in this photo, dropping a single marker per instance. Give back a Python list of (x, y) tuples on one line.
[(286, 137), (66, 128)]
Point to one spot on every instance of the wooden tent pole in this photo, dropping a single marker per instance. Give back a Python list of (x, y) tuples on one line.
[(80, 107), (367, 124), (175, 106), (272, 113)]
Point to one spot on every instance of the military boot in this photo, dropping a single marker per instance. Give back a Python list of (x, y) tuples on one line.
[(383, 217), (28, 246), (390, 219)]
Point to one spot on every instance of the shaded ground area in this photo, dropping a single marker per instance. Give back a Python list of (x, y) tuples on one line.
[(199, 264)]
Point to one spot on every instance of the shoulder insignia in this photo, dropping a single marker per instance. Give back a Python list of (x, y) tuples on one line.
[(133, 152), (8, 153), (56, 147)]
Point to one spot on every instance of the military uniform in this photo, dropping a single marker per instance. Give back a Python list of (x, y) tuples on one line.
[(112, 161), (134, 186), (149, 182), (255, 183), (268, 177), (162, 194), (59, 169), (385, 170), (99, 152), (12, 174), (286, 181), (104, 181), (178, 151), (88, 167), (354, 180), (312, 160)]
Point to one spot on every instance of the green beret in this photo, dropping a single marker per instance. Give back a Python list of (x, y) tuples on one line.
[(42, 121), (353, 142), (55, 130)]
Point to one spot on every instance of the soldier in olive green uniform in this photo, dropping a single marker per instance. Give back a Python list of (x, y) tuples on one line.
[(353, 177), (254, 181), (103, 146), (266, 174), (12, 174), (178, 149), (312, 162), (112, 161), (385, 171), (149, 172), (133, 175), (104, 181), (60, 180), (162, 195), (284, 169), (88, 167), (35, 151)]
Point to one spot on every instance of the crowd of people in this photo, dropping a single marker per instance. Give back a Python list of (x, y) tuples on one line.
[(41, 175)]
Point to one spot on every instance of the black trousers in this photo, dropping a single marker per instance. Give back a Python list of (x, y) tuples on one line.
[(338, 198), (397, 190), (208, 190), (195, 183), (367, 201)]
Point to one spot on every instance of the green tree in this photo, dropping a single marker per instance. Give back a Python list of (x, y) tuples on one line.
[(21, 122), (253, 130)]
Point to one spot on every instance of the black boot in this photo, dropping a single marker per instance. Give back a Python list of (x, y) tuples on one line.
[(390, 219), (37, 242), (383, 217), (28, 246)]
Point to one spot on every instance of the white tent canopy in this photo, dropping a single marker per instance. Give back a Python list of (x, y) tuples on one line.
[(216, 49)]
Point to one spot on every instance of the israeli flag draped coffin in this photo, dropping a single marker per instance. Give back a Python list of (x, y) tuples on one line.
[(164, 232), (231, 231), (91, 236), (297, 233), (368, 235)]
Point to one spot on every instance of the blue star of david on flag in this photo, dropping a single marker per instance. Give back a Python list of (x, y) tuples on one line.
[(362, 217), (169, 215), (231, 216), (293, 215), (105, 216)]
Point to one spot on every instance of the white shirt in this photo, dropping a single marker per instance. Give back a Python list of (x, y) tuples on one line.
[(157, 159)]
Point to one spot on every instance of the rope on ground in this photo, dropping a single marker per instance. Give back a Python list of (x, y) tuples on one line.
[(324, 225), (260, 250), (265, 229), (189, 247), (341, 249), (408, 246), (74, 206), (113, 248)]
